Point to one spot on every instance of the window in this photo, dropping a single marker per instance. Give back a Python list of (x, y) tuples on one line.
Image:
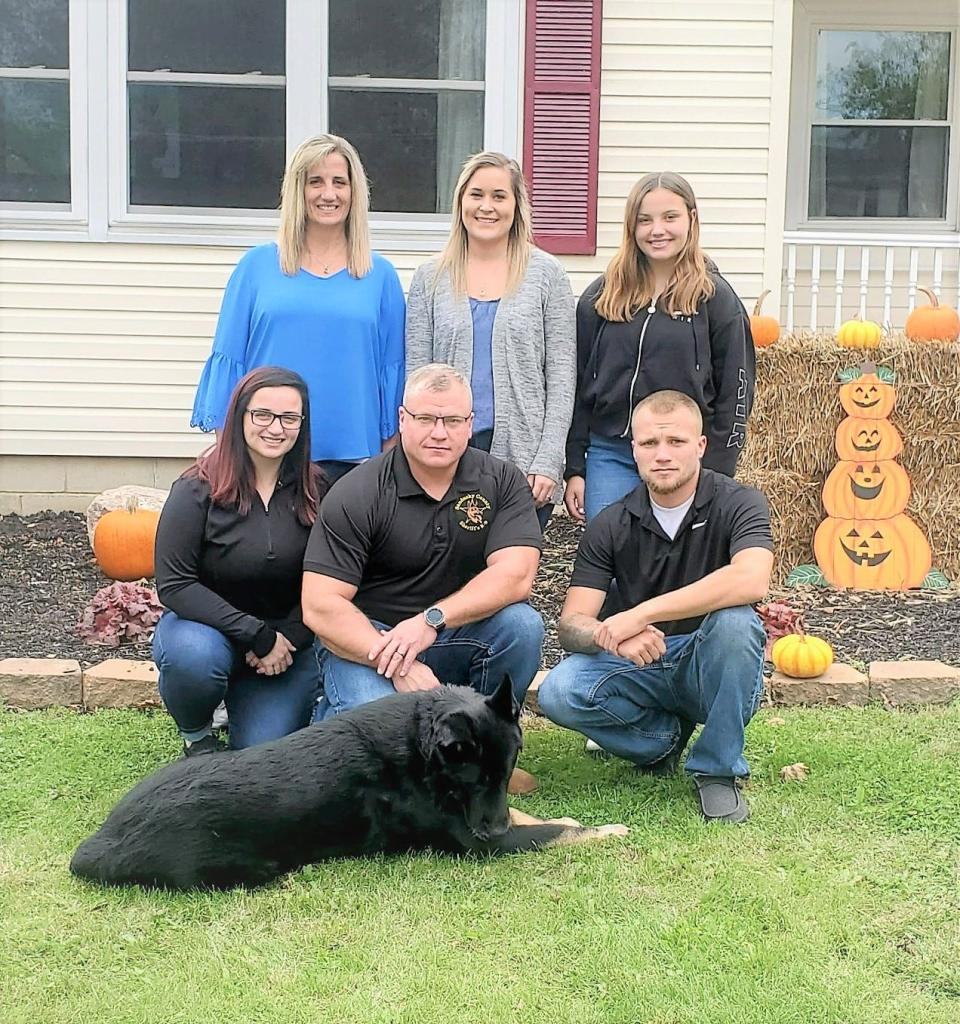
[(187, 109), (873, 119), (880, 137), (34, 102)]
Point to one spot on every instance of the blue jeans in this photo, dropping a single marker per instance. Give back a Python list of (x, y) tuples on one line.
[(611, 473), (199, 667), (509, 642), (714, 676)]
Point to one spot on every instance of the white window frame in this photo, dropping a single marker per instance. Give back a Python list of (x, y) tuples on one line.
[(99, 127), (813, 16), (72, 215)]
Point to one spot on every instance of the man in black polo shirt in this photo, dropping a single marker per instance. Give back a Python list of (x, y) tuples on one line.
[(421, 561), (690, 551)]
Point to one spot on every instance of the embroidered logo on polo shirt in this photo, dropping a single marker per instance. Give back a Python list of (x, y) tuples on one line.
[(472, 512)]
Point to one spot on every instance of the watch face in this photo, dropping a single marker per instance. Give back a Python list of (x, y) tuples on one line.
[(434, 617)]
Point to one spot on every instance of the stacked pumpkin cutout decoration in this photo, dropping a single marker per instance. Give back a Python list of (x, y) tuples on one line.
[(867, 541)]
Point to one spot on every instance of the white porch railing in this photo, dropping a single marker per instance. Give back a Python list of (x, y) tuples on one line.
[(861, 272)]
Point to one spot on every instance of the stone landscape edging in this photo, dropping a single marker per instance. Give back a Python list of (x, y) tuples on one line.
[(30, 684)]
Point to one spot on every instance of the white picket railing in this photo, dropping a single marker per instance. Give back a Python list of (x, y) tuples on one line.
[(829, 270)]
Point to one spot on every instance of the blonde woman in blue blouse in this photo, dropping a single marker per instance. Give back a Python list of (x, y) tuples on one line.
[(502, 312)]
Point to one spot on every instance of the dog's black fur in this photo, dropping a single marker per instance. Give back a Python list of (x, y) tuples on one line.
[(411, 770)]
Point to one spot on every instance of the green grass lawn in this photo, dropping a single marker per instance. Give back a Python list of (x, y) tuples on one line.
[(838, 902)]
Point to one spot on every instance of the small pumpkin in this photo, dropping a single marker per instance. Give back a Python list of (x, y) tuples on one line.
[(765, 329), (123, 542), (872, 554), (801, 656), (874, 489), (859, 438), (868, 396), (859, 333), (933, 322)]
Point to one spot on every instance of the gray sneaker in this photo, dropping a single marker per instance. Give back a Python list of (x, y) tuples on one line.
[(208, 744), (720, 799)]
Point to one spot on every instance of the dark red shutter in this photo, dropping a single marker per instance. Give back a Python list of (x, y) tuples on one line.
[(561, 113)]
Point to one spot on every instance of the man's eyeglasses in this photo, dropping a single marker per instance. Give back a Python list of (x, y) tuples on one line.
[(427, 419), (265, 418)]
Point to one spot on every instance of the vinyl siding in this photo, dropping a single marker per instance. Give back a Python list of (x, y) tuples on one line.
[(102, 343)]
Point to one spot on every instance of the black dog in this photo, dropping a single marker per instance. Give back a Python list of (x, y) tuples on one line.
[(412, 770)]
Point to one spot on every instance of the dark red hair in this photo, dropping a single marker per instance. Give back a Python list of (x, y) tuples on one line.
[(228, 468)]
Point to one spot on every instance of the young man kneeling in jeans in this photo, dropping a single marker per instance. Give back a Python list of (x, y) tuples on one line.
[(690, 550)]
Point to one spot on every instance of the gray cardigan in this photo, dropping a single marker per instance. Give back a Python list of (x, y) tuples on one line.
[(534, 357)]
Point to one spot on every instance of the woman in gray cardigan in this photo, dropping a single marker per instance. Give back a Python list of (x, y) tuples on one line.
[(502, 312)]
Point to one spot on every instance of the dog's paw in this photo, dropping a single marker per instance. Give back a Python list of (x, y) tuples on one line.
[(605, 831)]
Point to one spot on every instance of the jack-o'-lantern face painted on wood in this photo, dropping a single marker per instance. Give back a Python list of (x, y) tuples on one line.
[(872, 554), (859, 440), (868, 397), (866, 490)]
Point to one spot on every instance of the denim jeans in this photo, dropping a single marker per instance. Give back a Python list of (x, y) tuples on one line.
[(509, 642), (714, 676), (199, 667), (611, 473)]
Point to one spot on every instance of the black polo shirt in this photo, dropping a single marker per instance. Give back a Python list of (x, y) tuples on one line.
[(403, 550), (626, 543)]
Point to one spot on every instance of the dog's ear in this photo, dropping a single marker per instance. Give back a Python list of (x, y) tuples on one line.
[(454, 737), (501, 700)]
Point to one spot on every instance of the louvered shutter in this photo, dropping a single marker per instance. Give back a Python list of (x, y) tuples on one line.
[(562, 122)]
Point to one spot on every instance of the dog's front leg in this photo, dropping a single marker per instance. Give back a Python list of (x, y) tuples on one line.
[(519, 838)]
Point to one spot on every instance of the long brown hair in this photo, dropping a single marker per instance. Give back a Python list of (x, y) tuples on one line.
[(227, 467), (293, 213), (629, 284), (453, 259)]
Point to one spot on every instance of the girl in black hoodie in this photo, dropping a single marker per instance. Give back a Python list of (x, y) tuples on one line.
[(661, 318)]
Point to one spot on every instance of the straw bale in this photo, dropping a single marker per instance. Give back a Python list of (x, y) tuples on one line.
[(790, 448)]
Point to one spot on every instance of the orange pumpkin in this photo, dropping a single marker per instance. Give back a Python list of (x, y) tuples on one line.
[(872, 554), (859, 333), (933, 322), (866, 490), (765, 329), (868, 397), (801, 656), (123, 542), (859, 438)]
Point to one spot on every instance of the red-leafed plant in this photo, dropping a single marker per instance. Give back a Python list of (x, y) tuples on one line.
[(118, 612), (779, 620)]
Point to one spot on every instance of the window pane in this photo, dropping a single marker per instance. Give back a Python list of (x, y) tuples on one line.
[(206, 146), (34, 141), (878, 172), (416, 39), (900, 76), (211, 36), (412, 143), (34, 32)]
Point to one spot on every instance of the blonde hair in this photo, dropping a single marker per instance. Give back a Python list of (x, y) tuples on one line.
[(629, 284), (453, 259), (436, 377), (664, 402), (293, 213)]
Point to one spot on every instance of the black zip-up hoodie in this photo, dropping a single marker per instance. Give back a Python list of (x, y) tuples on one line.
[(708, 356), (239, 574)]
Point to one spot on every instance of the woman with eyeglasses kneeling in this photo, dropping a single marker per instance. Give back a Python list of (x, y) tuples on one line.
[(229, 561)]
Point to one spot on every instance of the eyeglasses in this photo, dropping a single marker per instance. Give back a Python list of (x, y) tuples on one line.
[(427, 419), (265, 418)]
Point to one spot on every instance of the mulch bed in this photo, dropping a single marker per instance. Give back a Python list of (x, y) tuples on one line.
[(49, 575)]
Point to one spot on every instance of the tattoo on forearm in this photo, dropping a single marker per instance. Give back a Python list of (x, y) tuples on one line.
[(577, 637)]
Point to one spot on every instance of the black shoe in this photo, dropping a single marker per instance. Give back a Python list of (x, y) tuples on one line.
[(208, 744), (667, 765), (721, 799)]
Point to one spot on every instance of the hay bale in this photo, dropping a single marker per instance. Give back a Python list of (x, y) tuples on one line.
[(790, 448)]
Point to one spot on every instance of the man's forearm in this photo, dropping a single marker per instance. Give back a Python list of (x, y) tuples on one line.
[(488, 592), (342, 628), (576, 634), (726, 587)]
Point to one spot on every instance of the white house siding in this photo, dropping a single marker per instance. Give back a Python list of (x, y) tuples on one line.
[(102, 343)]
